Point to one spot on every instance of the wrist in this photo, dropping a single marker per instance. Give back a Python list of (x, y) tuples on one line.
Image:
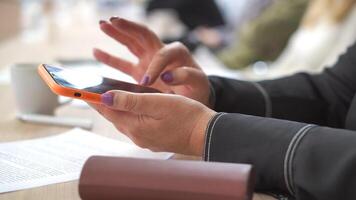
[(197, 139), (212, 97)]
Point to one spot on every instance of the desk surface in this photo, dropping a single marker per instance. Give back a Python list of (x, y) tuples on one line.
[(47, 50)]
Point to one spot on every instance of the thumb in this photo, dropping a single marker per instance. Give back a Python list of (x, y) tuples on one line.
[(138, 103)]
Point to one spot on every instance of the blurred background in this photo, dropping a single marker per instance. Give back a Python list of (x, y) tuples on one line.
[(247, 39), (242, 39)]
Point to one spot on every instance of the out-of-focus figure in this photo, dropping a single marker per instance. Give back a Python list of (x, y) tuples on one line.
[(177, 19), (236, 14), (328, 28), (212, 23), (265, 36)]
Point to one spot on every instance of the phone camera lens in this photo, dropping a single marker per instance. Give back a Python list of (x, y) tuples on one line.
[(77, 94)]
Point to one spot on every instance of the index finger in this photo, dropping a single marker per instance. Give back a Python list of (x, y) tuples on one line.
[(130, 42), (144, 35), (115, 62)]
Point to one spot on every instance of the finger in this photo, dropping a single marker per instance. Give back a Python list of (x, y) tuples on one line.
[(97, 107), (119, 118), (130, 42), (172, 54), (115, 62), (125, 122), (138, 103), (184, 76), (145, 36), (94, 105)]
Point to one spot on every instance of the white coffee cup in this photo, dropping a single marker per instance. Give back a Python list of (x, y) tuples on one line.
[(32, 94)]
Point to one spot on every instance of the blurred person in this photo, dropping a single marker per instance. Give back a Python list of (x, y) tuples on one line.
[(196, 17), (327, 29), (264, 37), (298, 132), (236, 14), (192, 14)]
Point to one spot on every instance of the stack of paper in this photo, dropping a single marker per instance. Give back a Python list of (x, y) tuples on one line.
[(38, 162)]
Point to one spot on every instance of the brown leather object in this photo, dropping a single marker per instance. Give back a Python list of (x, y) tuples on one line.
[(117, 178)]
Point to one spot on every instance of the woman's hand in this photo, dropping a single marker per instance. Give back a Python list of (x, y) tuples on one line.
[(159, 122), (169, 68)]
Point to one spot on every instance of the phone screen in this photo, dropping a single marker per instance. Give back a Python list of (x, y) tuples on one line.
[(92, 82)]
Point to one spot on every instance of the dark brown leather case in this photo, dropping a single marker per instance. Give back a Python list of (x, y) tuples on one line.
[(118, 178)]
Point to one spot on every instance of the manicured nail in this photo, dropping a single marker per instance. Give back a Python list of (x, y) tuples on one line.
[(145, 80), (167, 77), (107, 98), (102, 22), (114, 18)]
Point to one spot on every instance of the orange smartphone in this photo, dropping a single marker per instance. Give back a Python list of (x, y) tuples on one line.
[(84, 86)]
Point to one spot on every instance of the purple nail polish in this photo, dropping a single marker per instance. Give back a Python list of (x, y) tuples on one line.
[(114, 18), (145, 80), (107, 99), (102, 21), (167, 77)]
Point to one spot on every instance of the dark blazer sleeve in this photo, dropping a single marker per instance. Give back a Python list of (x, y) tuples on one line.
[(289, 152), (303, 160), (321, 99)]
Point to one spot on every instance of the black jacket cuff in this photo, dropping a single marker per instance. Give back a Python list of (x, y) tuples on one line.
[(238, 138)]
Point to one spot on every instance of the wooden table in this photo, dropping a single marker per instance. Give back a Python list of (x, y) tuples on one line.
[(46, 51)]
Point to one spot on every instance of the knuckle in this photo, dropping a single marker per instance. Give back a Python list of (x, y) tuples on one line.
[(130, 102), (177, 44), (162, 53), (185, 72), (141, 119), (185, 68), (182, 101), (180, 47)]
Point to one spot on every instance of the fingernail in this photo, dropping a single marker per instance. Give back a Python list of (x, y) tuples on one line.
[(114, 18), (167, 77), (145, 80), (102, 21), (107, 99)]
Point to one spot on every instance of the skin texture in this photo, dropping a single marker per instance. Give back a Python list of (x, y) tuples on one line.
[(155, 59), (151, 121), (175, 121)]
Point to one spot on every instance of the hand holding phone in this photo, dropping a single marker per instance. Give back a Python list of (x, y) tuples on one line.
[(87, 87)]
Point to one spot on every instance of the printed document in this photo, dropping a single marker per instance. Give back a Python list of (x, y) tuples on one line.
[(60, 158)]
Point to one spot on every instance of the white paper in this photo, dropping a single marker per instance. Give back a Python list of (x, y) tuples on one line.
[(55, 159)]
